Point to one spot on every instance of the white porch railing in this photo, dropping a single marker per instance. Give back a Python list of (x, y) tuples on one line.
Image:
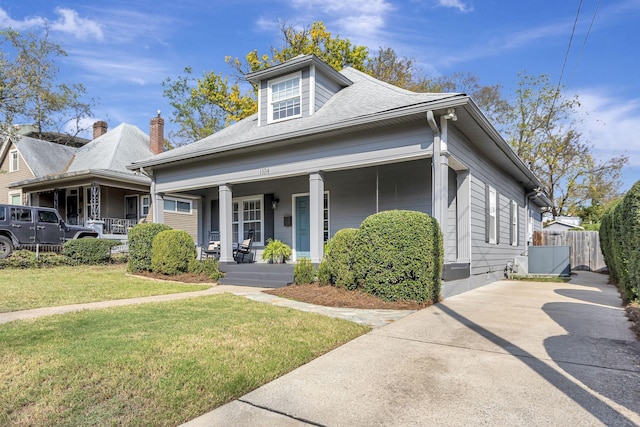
[(118, 225)]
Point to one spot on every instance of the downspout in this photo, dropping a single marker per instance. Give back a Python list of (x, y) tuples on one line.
[(527, 200)]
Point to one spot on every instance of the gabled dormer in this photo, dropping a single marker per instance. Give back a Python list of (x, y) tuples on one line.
[(294, 89)]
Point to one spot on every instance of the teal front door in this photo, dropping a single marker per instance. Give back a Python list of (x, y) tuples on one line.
[(303, 244)]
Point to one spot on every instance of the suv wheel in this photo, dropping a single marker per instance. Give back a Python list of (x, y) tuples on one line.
[(5, 247)]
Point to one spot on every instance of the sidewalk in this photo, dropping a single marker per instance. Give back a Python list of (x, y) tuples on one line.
[(510, 353)]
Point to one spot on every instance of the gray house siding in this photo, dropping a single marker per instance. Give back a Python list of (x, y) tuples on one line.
[(450, 236), (385, 145), (325, 89), (488, 259), (264, 96)]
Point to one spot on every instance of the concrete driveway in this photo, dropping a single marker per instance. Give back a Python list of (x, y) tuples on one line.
[(510, 353)]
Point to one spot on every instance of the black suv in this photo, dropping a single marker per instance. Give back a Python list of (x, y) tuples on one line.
[(28, 226)]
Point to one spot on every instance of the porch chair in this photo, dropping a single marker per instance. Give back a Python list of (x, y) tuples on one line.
[(213, 247), (243, 253)]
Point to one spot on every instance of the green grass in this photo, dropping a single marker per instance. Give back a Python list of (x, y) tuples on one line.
[(153, 364), (551, 279), (48, 287)]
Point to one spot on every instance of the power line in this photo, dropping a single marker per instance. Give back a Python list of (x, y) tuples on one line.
[(586, 37)]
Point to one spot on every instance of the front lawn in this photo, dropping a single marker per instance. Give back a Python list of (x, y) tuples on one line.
[(153, 364), (49, 287)]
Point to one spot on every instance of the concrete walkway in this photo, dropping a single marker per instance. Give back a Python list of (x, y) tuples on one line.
[(510, 353)]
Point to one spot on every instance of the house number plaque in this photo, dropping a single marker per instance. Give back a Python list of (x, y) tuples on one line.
[(264, 171)]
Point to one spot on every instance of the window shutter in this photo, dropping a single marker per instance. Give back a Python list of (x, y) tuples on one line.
[(497, 218), (487, 216), (511, 213)]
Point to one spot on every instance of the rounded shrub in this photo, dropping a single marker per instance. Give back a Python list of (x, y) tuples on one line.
[(339, 258), (172, 251), (140, 239), (399, 255), (207, 266), (304, 272)]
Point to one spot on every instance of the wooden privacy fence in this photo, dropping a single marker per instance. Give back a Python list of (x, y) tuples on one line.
[(585, 247)]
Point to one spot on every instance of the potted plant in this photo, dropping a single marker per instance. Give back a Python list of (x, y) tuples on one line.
[(276, 252)]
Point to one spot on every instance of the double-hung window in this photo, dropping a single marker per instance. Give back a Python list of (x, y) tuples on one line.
[(492, 215), (285, 98), (13, 161), (247, 216)]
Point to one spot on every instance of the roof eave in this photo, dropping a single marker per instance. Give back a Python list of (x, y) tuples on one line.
[(70, 176), (380, 117)]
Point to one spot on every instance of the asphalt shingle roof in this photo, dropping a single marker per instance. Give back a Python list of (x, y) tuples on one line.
[(365, 97), (44, 157)]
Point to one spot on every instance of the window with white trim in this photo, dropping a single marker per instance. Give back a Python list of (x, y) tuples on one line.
[(145, 205), (247, 215), (13, 161), (284, 98), (15, 199), (177, 205), (514, 223), (492, 217)]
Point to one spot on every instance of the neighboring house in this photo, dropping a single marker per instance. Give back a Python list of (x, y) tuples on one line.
[(88, 185), (326, 149), (562, 225)]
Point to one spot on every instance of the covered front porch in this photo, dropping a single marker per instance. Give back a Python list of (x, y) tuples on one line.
[(304, 211)]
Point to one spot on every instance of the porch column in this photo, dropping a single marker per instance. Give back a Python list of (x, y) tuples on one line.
[(157, 203), (226, 219), (464, 216), (316, 216)]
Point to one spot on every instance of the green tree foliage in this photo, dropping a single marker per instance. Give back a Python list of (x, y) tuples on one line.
[(542, 128), (29, 88)]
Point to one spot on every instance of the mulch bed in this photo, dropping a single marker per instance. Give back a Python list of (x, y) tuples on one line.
[(330, 296)]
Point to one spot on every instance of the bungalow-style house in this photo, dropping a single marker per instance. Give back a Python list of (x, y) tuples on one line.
[(89, 184), (327, 148)]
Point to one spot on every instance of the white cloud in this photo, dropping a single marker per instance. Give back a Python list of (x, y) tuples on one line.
[(456, 4), (613, 124), (69, 22), (30, 22)]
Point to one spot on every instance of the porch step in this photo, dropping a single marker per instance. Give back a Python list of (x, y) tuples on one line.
[(257, 274)]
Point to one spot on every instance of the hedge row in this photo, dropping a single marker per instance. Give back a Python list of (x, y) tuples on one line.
[(394, 255), (620, 242)]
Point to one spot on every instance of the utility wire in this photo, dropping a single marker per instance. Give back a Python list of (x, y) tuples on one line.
[(564, 64), (586, 37)]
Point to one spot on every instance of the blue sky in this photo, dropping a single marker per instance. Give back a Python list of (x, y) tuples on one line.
[(122, 50)]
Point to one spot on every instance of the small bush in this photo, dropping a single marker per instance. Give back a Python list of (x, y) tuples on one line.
[(140, 240), (207, 266), (399, 255), (304, 272), (172, 251), (88, 251), (339, 258), (20, 259), (324, 273)]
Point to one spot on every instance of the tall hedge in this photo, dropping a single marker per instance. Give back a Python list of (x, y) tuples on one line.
[(140, 239), (172, 252), (620, 242), (88, 251), (399, 255)]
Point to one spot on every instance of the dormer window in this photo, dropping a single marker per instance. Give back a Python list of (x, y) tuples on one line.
[(285, 98)]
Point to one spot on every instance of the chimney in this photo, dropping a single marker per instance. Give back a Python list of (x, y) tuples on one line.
[(156, 137), (99, 129)]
